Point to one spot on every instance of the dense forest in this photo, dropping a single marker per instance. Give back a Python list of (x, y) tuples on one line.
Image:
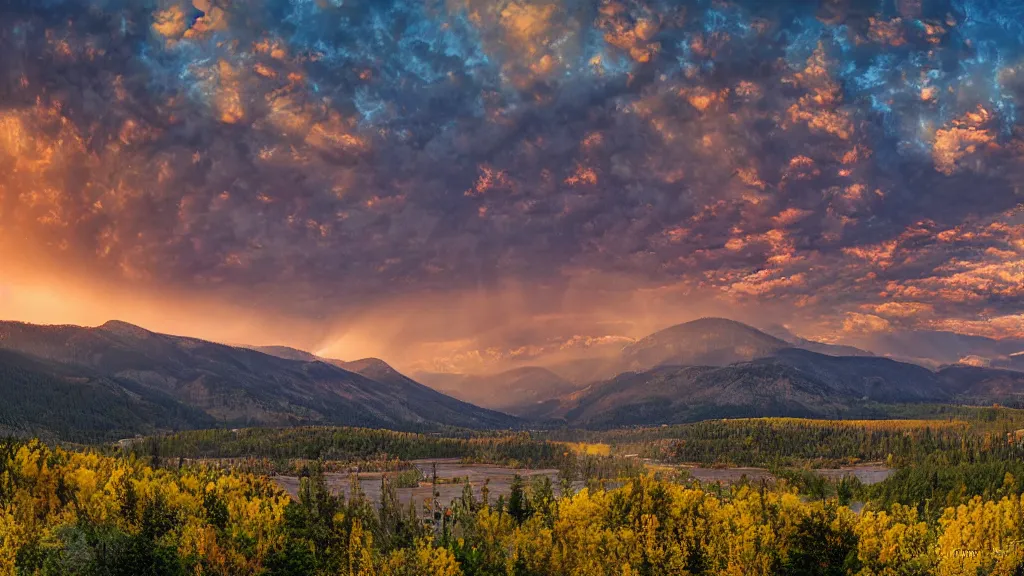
[(83, 513), (943, 434), (351, 445), (951, 435), (622, 502), (54, 402), (769, 442)]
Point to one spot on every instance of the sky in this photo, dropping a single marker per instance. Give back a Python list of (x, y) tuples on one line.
[(454, 183)]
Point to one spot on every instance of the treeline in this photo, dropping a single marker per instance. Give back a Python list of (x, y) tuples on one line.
[(353, 445), (933, 487), (821, 444), (979, 418), (283, 466), (82, 513), (777, 442)]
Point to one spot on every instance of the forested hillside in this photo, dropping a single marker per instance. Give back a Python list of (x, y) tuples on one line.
[(132, 381), (45, 398)]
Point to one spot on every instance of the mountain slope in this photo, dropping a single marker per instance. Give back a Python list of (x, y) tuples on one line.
[(792, 382), (984, 384), (828, 349), (673, 394), (58, 402), (520, 391), (781, 332), (935, 348), (1011, 362), (238, 386), (374, 369), (583, 371), (286, 352), (380, 371), (868, 378)]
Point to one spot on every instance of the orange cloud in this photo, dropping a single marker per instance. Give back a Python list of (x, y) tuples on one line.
[(765, 282), (886, 31), (582, 175), (633, 36), (170, 22), (960, 140), (790, 216), (1006, 326), (902, 309), (856, 323), (819, 109)]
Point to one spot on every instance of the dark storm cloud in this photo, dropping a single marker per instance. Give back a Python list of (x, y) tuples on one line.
[(834, 156)]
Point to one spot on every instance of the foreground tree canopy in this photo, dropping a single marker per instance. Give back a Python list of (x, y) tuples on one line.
[(82, 513)]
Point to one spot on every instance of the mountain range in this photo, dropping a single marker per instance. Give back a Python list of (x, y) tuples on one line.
[(117, 380), (714, 368), (790, 382), (136, 381), (934, 349)]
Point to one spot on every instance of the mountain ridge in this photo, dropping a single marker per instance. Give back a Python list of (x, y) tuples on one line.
[(138, 381), (239, 386), (746, 372)]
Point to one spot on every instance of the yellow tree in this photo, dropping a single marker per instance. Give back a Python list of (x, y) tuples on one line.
[(982, 537)]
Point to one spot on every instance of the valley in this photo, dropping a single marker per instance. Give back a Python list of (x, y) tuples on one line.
[(350, 466), (454, 476)]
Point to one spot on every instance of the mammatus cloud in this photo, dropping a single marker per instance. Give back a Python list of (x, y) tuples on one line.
[(844, 165)]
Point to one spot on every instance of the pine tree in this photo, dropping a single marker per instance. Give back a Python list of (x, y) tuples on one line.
[(518, 505)]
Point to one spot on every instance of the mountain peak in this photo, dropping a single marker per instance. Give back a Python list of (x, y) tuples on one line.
[(705, 341), (717, 322), (125, 329), (365, 365), (710, 327)]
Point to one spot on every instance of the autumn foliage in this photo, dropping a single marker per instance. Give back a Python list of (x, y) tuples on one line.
[(81, 513)]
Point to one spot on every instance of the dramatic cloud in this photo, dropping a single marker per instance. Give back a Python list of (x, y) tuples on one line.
[(616, 165)]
